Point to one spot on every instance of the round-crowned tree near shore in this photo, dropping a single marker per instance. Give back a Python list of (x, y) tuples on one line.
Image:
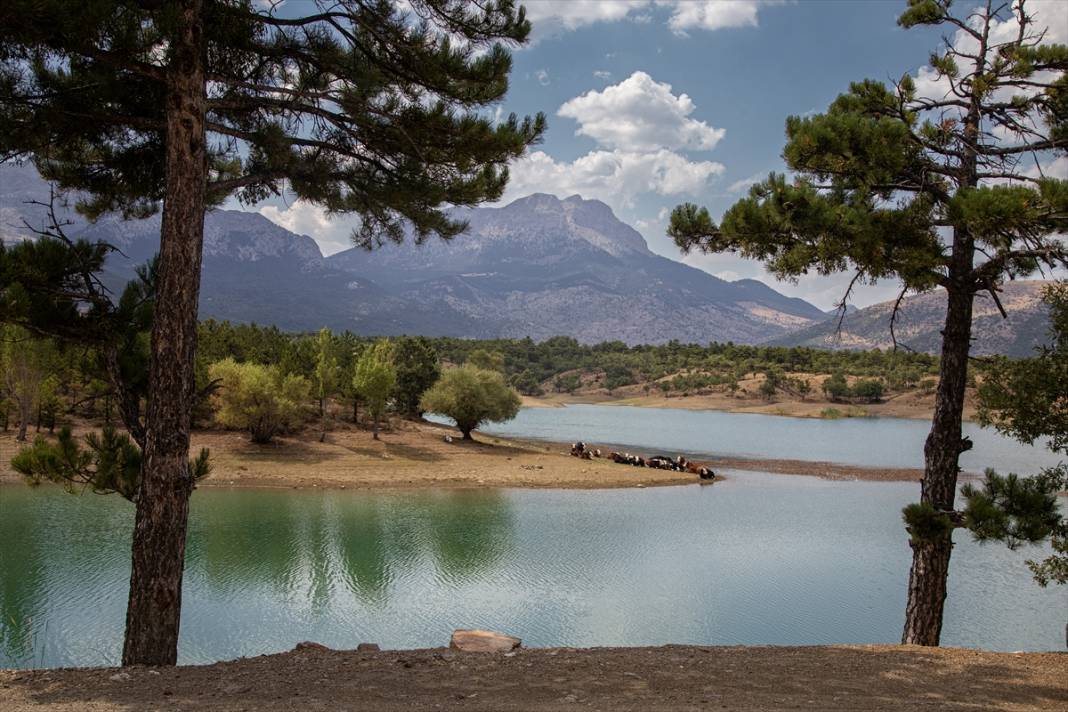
[(472, 396), (258, 398)]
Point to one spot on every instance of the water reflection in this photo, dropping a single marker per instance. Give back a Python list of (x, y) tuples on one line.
[(759, 559), (289, 542)]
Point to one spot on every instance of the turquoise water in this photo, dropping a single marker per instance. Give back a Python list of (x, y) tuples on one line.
[(756, 559)]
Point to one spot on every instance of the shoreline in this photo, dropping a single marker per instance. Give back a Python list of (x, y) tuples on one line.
[(415, 455), (669, 677), (910, 405)]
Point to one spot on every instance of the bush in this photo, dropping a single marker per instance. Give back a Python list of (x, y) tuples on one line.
[(472, 396), (836, 387), (258, 398), (868, 389)]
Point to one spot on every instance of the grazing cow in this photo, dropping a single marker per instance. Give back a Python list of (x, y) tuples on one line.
[(597, 452), (586, 455), (578, 448), (706, 473)]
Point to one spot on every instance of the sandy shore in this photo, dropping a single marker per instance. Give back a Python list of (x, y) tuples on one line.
[(865, 677)]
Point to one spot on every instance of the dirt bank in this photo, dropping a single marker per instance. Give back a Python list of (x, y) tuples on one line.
[(408, 455), (917, 404), (614, 679)]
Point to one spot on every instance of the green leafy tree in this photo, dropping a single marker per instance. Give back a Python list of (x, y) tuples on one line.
[(24, 368), (472, 396), (929, 190), (375, 379), (326, 375), (257, 398), (416, 362), (836, 387), (487, 360), (354, 106), (869, 389), (526, 383)]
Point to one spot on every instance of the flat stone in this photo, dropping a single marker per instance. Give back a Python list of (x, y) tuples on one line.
[(368, 648), (483, 641), (309, 645)]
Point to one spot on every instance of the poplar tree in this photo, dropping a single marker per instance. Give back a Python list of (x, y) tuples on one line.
[(326, 375), (375, 378), (940, 188), (361, 106)]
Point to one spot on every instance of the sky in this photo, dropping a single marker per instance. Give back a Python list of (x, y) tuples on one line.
[(651, 103)]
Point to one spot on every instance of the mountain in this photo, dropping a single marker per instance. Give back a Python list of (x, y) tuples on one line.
[(542, 267), (537, 267), (920, 320)]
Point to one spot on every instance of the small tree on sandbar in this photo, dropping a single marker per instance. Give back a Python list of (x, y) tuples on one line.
[(472, 396)]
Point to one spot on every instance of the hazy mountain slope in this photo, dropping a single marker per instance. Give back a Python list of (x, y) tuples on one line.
[(539, 267), (921, 318)]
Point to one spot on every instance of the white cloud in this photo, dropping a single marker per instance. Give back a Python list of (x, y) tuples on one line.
[(712, 14), (602, 74), (740, 186), (331, 233), (543, 77), (550, 17), (617, 177), (640, 114)]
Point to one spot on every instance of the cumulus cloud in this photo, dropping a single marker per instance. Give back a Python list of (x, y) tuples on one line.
[(616, 177), (332, 233), (640, 114), (542, 76), (712, 14), (550, 17)]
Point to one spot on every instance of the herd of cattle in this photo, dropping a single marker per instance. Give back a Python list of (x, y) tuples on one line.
[(659, 462)]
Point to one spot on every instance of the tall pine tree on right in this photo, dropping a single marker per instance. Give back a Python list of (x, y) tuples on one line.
[(942, 187)]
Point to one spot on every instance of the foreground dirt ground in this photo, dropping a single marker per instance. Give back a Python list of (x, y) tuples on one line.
[(611, 679)]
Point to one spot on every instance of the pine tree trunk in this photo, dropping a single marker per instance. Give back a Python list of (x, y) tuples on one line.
[(153, 614), (930, 558)]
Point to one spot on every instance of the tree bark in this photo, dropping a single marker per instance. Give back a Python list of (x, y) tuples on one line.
[(153, 614), (930, 558)]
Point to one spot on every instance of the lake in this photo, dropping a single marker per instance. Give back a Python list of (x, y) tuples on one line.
[(757, 559), (872, 442)]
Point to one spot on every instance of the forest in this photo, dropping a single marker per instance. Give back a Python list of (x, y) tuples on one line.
[(45, 382)]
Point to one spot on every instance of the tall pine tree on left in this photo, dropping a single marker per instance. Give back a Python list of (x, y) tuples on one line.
[(357, 106)]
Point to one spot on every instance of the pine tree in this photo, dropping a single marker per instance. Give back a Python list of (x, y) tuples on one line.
[(354, 107), (417, 366), (934, 191)]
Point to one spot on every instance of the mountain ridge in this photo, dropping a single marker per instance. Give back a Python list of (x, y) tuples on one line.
[(539, 266)]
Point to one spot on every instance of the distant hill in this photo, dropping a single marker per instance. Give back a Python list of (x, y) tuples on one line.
[(537, 267), (921, 319)]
